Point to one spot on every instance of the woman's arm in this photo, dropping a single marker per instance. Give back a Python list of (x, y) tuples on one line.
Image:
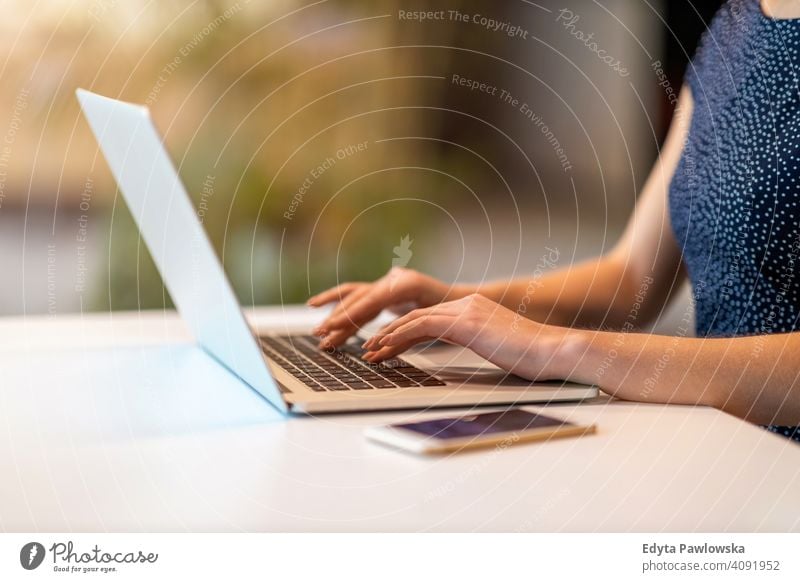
[(755, 378), (641, 272)]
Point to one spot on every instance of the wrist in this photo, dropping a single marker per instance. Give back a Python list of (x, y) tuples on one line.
[(491, 291), (571, 355), (459, 291)]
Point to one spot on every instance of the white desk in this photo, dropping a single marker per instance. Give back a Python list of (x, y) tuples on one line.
[(117, 423)]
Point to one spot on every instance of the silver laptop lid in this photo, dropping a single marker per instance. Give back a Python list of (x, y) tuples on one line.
[(175, 237)]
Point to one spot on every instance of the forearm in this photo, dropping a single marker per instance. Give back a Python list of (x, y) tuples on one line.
[(753, 377), (596, 293)]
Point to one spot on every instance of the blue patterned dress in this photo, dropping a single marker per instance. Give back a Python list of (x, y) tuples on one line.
[(735, 198)]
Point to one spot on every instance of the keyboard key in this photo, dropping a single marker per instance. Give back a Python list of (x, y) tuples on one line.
[(329, 380), (416, 374), (395, 378), (351, 380), (406, 383), (432, 382), (382, 384)]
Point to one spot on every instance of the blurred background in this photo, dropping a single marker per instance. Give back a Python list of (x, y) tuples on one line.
[(328, 140)]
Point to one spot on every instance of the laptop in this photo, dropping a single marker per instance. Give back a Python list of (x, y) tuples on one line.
[(287, 369)]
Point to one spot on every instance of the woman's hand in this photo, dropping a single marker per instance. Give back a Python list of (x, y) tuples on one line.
[(505, 338), (359, 303)]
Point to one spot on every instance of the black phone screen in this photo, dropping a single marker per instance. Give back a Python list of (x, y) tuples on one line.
[(489, 423)]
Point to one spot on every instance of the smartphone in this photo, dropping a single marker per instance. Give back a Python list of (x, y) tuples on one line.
[(499, 429)]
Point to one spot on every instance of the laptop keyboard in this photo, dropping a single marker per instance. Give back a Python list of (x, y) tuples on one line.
[(340, 369)]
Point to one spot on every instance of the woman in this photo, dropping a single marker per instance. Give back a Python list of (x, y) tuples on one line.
[(721, 206)]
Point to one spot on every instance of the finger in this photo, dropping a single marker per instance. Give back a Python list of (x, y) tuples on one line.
[(442, 309), (365, 308), (336, 338), (349, 301), (374, 342), (333, 294), (387, 352), (436, 326), (325, 327)]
